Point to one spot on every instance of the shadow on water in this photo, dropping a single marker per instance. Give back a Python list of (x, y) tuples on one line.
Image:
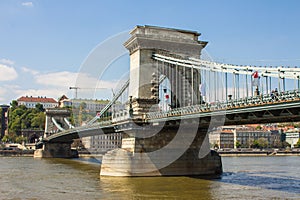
[(87, 165)]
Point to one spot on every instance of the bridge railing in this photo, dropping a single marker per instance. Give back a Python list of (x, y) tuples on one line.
[(96, 125), (230, 104)]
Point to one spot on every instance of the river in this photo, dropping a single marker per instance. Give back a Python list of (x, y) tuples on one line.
[(252, 178)]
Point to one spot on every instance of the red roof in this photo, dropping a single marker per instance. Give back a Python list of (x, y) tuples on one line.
[(37, 99)]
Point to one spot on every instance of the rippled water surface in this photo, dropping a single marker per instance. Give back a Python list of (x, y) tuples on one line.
[(244, 178)]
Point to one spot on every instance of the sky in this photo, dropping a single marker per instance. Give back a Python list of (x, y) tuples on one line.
[(44, 44)]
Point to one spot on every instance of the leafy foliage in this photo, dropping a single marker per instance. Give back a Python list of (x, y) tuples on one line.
[(259, 143), (21, 117), (297, 145), (13, 138), (238, 144)]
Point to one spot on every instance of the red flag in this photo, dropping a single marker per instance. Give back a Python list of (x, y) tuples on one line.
[(255, 74), (255, 81)]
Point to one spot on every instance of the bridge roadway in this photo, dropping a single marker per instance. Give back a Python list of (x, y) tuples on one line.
[(262, 109)]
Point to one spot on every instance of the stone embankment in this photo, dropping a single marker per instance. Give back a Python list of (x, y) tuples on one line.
[(254, 152)]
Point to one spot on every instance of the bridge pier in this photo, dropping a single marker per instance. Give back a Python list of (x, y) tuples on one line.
[(56, 150), (174, 151), (179, 147)]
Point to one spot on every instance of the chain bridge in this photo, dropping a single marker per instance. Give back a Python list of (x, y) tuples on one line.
[(173, 98)]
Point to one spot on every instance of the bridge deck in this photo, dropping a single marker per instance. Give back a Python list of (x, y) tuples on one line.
[(284, 107)]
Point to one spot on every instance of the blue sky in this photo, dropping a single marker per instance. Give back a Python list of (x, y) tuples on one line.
[(44, 43)]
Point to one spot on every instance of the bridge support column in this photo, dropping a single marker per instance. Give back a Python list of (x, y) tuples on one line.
[(164, 154), (56, 150)]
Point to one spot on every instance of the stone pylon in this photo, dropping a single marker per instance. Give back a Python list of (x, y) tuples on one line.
[(164, 148), (148, 40)]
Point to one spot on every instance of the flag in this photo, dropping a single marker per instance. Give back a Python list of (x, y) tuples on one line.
[(167, 96), (255, 80), (255, 74)]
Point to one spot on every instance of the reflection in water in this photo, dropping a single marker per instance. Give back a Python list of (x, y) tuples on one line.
[(244, 178), (155, 188)]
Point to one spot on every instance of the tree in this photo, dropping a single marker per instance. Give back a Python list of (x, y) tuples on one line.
[(277, 143), (285, 144), (14, 105), (9, 138), (20, 139), (5, 139), (38, 121), (39, 107), (297, 145), (255, 144), (238, 144), (262, 143), (15, 125)]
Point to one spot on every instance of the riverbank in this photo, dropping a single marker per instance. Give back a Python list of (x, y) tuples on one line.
[(231, 153), (30, 153), (23, 153), (258, 153)]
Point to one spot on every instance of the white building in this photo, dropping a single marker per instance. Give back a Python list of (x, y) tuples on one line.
[(92, 105), (292, 136), (103, 143), (31, 102), (229, 136)]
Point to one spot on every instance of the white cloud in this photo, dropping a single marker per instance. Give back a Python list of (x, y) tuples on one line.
[(6, 61), (7, 93), (3, 92), (58, 79), (67, 79), (87, 85), (28, 70), (55, 84), (7, 73), (27, 4)]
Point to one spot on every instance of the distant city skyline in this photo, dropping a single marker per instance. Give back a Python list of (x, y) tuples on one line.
[(44, 43)]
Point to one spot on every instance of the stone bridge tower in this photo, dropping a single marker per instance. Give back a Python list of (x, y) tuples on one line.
[(145, 72), (56, 120), (178, 147)]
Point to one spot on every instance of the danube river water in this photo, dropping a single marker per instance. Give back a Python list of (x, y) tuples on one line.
[(244, 178)]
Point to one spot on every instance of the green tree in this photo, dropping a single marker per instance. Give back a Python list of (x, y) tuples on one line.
[(38, 121), (15, 125), (25, 118), (262, 143), (9, 138), (238, 144), (255, 144), (19, 139), (277, 144), (39, 107), (297, 145), (14, 105), (5, 139)]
